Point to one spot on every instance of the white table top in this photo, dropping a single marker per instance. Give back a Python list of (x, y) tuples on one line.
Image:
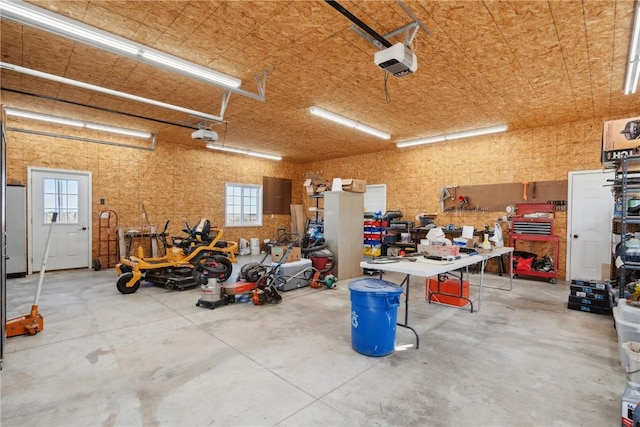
[(423, 267)]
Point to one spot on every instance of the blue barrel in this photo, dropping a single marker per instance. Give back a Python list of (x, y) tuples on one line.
[(374, 310)]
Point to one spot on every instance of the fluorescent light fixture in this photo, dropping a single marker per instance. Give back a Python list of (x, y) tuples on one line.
[(633, 67), (212, 146), (76, 83), (348, 122), (77, 123), (452, 136), (43, 19)]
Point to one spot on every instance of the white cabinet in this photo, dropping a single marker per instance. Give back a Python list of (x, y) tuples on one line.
[(343, 231), (16, 223)]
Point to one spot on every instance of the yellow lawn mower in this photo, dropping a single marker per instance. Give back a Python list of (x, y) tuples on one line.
[(189, 261)]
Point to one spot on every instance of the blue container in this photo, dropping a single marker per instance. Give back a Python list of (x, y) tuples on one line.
[(374, 310)]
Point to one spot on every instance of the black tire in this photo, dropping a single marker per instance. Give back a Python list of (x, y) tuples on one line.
[(122, 283), (96, 264), (215, 266)]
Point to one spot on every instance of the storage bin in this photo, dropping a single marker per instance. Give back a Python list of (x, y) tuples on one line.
[(627, 331), (293, 275), (628, 312), (449, 286)]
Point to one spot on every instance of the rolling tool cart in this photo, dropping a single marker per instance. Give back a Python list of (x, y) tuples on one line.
[(534, 223)]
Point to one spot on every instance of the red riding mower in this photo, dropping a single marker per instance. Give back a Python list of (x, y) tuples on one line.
[(188, 262)]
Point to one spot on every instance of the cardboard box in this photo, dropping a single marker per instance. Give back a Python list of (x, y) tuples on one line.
[(309, 187), (314, 184), (449, 292), (619, 138), (354, 185), (277, 252), (442, 250)]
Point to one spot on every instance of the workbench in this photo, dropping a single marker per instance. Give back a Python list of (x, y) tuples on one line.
[(126, 239), (426, 268)]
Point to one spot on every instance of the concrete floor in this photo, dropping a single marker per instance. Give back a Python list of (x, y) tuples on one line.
[(153, 358)]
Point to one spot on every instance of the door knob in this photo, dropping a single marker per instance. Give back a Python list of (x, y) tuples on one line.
[(575, 236), (84, 228)]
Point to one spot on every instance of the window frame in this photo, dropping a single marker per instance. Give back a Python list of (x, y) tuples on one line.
[(258, 199)]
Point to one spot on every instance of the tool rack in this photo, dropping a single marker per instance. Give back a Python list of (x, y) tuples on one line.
[(535, 229)]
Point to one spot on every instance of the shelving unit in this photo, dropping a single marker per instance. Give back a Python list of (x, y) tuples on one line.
[(315, 218), (626, 182), (397, 228), (526, 227), (372, 235)]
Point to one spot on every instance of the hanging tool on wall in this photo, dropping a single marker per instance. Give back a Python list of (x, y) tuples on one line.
[(534, 189), (524, 190)]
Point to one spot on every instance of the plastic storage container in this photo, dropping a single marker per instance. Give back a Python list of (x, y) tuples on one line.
[(293, 275), (629, 312), (374, 310), (627, 331)]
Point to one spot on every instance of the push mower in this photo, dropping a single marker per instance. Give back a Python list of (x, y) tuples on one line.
[(187, 263)]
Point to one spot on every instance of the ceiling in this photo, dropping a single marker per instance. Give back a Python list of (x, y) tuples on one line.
[(521, 63)]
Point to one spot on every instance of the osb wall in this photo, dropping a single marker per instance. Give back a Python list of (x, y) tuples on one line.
[(179, 181), (182, 181), (415, 176)]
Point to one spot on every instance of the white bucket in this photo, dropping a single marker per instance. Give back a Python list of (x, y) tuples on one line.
[(632, 349), (255, 246)]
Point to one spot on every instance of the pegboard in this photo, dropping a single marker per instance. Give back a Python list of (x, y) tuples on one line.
[(495, 197)]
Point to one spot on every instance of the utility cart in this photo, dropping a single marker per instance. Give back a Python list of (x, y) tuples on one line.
[(533, 222)]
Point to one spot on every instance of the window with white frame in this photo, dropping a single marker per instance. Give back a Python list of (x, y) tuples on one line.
[(61, 196), (243, 205)]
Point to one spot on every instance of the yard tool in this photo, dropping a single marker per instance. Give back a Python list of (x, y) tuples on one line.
[(524, 190), (33, 322)]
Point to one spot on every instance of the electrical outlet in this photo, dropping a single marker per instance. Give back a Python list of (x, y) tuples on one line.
[(143, 215)]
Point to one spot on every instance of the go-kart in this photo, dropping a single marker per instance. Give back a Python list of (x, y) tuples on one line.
[(188, 262)]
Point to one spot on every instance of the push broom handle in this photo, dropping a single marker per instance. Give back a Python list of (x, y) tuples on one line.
[(44, 259)]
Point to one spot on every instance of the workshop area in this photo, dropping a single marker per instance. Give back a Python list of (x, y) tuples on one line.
[(154, 358), (320, 213)]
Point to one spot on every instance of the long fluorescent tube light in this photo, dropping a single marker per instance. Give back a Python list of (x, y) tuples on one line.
[(43, 19), (101, 89), (452, 136), (348, 122), (77, 123), (213, 146), (633, 67)]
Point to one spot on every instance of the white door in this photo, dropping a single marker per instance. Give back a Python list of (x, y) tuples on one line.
[(589, 224), (69, 194)]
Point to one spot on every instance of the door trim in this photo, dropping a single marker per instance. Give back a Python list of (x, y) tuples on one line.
[(87, 174), (570, 212)]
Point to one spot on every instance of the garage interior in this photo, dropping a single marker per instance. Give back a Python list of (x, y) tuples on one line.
[(549, 75)]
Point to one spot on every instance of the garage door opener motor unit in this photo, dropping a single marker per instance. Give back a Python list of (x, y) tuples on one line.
[(398, 60)]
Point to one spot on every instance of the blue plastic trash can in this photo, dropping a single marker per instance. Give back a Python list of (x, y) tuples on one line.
[(374, 310)]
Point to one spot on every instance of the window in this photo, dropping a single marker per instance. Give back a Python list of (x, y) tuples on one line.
[(61, 195), (243, 206)]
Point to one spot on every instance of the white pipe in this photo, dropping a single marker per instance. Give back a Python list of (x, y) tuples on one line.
[(44, 258)]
